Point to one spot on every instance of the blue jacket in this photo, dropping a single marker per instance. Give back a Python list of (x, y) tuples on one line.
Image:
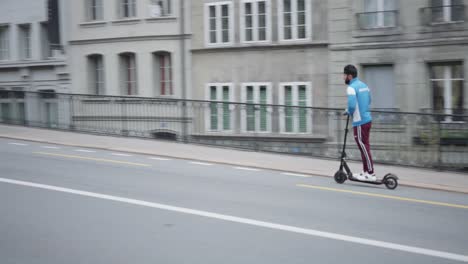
[(359, 100)]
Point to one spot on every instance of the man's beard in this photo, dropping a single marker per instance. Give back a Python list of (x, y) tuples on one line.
[(347, 81)]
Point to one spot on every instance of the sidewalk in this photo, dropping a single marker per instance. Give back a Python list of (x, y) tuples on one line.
[(415, 177)]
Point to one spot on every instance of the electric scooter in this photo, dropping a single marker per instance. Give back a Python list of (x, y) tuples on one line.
[(390, 180)]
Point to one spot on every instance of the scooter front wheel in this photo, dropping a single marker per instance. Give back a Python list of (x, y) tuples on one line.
[(340, 177), (390, 181)]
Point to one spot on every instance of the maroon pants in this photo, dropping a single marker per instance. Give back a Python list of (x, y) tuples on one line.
[(361, 135)]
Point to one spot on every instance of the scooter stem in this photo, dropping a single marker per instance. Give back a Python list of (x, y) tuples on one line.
[(345, 137)]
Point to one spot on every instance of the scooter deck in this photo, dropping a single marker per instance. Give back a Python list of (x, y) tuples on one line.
[(378, 182)]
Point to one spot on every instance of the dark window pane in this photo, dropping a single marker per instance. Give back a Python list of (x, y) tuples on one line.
[(225, 36), (457, 71), (249, 34), (301, 32), (438, 96), (437, 72), (287, 33), (457, 95), (262, 34), (225, 10), (213, 37), (261, 21), (287, 5), (248, 8), (212, 11), (287, 19), (261, 8), (301, 5), (248, 21), (301, 17)]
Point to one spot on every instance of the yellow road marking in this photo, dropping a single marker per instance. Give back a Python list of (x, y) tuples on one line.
[(383, 196), (95, 159)]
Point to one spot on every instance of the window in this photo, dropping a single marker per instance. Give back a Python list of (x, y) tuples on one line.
[(444, 11), (96, 74), (4, 43), (163, 73), (128, 81), (51, 113), (127, 8), (294, 116), (219, 115), (49, 107), (447, 88), (25, 41), (45, 45), (378, 14), (12, 108), (294, 19), (5, 114), (381, 82), (255, 20), (94, 10), (158, 8), (219, 23), (256, 118)]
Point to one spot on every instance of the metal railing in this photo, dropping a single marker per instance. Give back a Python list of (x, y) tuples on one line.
[(443, 14), (414, 139), (378, 19)]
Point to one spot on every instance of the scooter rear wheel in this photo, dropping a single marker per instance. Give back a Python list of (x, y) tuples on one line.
[(340, 177), (390, 181)]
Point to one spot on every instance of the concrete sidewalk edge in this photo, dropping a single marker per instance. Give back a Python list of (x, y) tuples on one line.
[(402, 183)]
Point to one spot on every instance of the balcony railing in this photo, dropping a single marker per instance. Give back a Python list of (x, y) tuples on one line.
[(425, 139), (443, 14), (378, 19)]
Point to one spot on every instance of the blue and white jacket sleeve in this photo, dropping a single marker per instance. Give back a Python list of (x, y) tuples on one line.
[(351, 100)]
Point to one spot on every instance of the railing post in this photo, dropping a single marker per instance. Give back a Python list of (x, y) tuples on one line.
[(72, 124), (124, 131), (184, 122), (439, 142)]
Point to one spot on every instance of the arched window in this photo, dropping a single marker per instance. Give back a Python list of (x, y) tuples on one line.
[(162, 62), (96, 83), (128, 82)]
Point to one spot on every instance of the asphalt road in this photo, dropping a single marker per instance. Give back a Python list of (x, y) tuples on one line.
[(68, 205)]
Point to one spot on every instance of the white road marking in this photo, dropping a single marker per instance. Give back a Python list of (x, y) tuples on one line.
[(49, 147), (296, 175), (85, 150), (253, 222), (247, 169), (201, 163), (156, 158), (18, 144), (121, 154)]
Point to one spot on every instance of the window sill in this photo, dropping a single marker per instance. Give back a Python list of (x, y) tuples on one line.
[(377, 32), (220, 45), (258, 46), (255, 42), (166, 96), (446, 23), (218, 132), (93, 24), (294, 40), (160, 19), (127, 21), (444, 27)]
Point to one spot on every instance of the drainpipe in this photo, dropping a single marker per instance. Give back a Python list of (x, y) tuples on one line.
[(183, 73)]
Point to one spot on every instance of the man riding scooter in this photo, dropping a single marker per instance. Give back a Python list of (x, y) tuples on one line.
[(359, 100)]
